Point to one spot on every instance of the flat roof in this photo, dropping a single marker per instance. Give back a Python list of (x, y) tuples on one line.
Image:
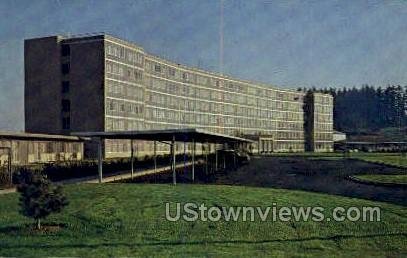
[(36, 136), (180, 135)]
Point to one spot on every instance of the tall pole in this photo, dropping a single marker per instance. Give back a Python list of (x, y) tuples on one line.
[(221, 38), (174, 175), (100, 160), (206, 159), (155, 156), (9, 165), (234, 156), (193, 160), (216, 157), (185, 160), (132, 158)]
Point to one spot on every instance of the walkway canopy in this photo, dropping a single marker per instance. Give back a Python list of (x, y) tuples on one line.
[(178, 135), (167, 135)]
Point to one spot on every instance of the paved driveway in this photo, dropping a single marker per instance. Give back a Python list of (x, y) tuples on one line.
[(327, 176)]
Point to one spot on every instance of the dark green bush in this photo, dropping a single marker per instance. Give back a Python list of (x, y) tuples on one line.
[(38, 197), (4, 177)]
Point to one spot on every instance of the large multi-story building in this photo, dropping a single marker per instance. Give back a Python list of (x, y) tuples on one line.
[(102, 83)]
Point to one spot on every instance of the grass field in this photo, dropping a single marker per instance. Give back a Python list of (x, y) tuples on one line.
[(398, 179), (395, 159), (129, 220)]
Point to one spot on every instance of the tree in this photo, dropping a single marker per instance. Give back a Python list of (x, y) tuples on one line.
[(38, 197)]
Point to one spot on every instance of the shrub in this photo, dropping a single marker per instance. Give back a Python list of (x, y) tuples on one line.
[(4, 177), (38, 198)]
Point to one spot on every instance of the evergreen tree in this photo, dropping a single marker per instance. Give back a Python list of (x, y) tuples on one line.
[(368, 109), (38, 198)]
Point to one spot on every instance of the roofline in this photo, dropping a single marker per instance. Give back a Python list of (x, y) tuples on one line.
[(104, 35), (37, 136), (140, 133)]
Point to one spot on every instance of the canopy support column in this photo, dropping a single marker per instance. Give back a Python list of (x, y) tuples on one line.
[(234, 156), (206, 158), (193, 159), (9, 160), (132, 158), (216, 157), (100, 160), (174, 175), (155, 156), (224, 156), (185, 159)]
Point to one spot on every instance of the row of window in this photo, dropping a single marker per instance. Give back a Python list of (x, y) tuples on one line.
[(289, 135), (123, 108), (166, 101), (169, 72), (122, 71), (323, 136), (323, 146), (115, 124), (323, 99), (290, 126), (171, 116), (195, 92), (288, 146), (169, 101), (323, 109), (323, 127), (323, 118), (131, 92), (124, 54)]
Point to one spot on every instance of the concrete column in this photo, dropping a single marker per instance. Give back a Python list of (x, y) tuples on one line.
[(132, 158), (185, 160), (206, 159), (100, 160), (234, 156), (174, 175), (224, 148), (258, 146), (216, 157), (155, 156), (193, 160), (10, 153)]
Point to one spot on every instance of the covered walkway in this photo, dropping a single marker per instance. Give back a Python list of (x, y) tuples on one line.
[(167, 136)]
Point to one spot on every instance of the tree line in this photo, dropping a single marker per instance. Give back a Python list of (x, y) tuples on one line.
[(369, 108)]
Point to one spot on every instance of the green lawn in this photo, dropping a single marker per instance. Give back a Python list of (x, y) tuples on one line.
[(399, 179), (395, 159), (306, 154), (129, 220)]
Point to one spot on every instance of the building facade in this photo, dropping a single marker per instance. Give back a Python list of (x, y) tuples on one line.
[(102, 83)]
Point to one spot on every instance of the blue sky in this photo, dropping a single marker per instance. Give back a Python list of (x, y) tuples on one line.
[(285, 43)]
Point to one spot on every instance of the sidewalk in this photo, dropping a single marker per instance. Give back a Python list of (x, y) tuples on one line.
[(8, 190), (112, 178)]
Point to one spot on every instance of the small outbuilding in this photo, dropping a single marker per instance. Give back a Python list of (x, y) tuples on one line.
[(19, 148)]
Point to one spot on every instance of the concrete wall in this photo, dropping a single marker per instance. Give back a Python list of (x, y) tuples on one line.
[(42, 94), (86, 86)]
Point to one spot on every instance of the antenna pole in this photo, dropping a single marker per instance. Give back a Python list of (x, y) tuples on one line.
[(221, 38)]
